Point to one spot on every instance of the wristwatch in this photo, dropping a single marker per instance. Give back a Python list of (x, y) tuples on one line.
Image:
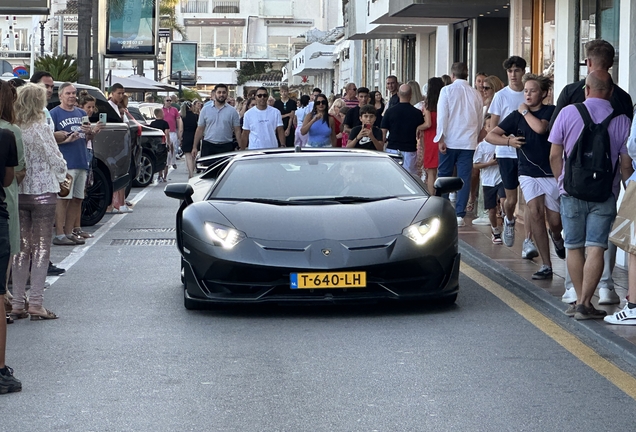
[(524, 112)]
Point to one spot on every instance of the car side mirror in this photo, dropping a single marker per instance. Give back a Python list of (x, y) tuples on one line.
[(444, 185), (180, 191)]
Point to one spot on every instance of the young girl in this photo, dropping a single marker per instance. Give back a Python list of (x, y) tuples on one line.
[(87, 102), (431, 150)]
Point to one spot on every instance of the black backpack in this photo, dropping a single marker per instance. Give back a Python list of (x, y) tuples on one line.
[(589, 173)]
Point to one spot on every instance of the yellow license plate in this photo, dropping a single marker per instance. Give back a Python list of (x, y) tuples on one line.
[(328, 280)]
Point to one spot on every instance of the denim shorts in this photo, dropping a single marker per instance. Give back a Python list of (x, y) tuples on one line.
[(587, 223)]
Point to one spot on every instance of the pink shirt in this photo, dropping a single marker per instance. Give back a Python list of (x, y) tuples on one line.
[(569, 124), (171, 115)]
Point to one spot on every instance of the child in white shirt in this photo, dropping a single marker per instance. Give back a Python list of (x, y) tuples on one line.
[(485, 160)]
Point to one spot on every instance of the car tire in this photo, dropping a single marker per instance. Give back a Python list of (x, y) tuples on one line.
[(146, 171), (447, 301), (183, 280), (97, 199), (132, 173)]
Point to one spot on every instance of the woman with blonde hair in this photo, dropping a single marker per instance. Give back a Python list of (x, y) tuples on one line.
[(492, 84), (418, 102), (334, 111), (46, 168)]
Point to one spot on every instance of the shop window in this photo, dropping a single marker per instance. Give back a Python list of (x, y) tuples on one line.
[(599, 20)]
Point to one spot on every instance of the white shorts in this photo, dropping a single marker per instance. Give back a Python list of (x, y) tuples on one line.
[(535, 187), (79, 184), (409, 160), (174, 139)]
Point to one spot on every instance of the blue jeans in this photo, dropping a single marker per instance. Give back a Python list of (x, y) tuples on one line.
[(586, 223), (463, 159)]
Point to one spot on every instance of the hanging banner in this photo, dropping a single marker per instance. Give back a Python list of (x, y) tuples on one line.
[(132, 26)]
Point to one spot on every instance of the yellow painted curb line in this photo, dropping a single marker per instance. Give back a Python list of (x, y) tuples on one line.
[(567, 340)]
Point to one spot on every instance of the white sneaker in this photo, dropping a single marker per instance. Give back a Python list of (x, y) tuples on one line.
[(482, 220), (529, 250), (460, 221), (625, 317), (608, 296), (125, 209), (452, 196), (569, 296), (509, 232)]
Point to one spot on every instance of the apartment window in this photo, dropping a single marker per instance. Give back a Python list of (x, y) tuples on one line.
[(221, 41), (226, 6), (194, 6)]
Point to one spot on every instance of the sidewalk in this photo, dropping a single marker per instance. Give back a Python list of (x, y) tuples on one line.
[(479, 238)]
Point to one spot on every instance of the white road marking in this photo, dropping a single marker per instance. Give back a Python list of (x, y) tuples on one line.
[(79, 251)]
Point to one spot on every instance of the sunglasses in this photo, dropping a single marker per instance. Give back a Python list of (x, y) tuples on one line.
[(321, 102), (487, 88), (261, 95)]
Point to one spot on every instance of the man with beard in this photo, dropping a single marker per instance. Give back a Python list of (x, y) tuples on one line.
[(217, 122)]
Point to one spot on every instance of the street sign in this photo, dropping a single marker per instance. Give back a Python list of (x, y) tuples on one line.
[(20, 72)]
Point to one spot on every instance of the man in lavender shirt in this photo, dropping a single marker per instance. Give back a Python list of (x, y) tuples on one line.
[(586, 225)]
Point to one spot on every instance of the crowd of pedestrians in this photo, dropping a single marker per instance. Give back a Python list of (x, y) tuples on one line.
[(503, 140)]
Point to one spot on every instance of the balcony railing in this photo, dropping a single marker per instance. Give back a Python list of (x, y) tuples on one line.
[(194, 6), (226, 6), (244, 51), (276, 8)]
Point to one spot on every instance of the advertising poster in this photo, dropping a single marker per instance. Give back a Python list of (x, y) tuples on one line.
[(131, 27), (183, 57)]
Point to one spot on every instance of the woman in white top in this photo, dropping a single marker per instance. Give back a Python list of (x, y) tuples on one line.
[(46, 168), (301, 112)]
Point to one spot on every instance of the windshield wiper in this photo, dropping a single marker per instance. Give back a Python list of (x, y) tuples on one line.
[(348, 199), (256, 200)]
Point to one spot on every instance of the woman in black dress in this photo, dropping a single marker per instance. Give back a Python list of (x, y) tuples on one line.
[(190, 120)]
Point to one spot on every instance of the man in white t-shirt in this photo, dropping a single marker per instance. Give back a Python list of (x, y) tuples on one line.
[(260, 125), (508, 100)]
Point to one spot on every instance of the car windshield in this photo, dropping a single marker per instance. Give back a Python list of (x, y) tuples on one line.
[(320, 179)]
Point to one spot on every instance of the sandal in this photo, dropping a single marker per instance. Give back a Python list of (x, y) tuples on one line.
[(83, 234), (470, 206), (47, 315), (17, 314)]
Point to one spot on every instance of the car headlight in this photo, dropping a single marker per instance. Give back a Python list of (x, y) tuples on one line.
[(423, 231), (225, 236)]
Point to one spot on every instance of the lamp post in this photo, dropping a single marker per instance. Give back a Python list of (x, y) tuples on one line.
[(159, 70), (43, 20)]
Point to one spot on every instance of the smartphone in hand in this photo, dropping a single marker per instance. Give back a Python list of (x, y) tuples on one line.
[(86, 121), (103, 117), (368, 126)]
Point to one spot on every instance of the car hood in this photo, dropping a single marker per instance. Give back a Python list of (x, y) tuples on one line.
[(315, 222)]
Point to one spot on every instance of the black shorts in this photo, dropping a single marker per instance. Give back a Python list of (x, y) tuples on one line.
[(492, 194), (509, 170)]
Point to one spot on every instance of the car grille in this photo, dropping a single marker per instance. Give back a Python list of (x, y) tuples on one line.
[(404, 278)]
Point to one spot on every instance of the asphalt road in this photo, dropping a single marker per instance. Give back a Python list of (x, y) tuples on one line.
[(126, 355)]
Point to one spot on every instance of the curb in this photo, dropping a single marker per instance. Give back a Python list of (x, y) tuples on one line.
[(594, 331)]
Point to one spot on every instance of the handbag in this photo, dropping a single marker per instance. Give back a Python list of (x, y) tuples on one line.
[(65, 186), (623, 233)]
